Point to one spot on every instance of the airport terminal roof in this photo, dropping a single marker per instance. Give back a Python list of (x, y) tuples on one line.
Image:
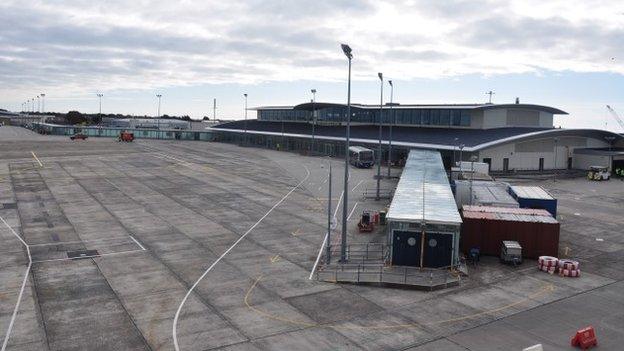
[(421, 137), (318, 105)]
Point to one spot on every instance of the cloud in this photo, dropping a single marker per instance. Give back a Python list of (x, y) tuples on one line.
[(73, 46)]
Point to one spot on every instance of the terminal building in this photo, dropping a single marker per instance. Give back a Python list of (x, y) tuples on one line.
[(509, 137)]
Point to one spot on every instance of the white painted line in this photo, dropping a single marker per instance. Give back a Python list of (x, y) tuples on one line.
[(599, 239), (358, 184), (188, 293), (338, 206), (36, 158), (77, 242), (19, 297), (89, 256), (351, 213), (318, 258), (138, 243)]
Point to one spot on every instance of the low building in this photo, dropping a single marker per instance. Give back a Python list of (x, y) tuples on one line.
[(486, 228), (534, 197), (508, 137), (483, 193), (423, 221), (145, 123)]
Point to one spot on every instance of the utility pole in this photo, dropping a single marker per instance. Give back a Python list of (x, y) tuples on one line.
[(390, 122), (380, 75), (343, 248), (214, 109), (490, 93), (42, 103), (38, 104)]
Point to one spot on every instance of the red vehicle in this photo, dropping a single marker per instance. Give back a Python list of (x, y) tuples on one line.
[(79, 136), (126, 136)]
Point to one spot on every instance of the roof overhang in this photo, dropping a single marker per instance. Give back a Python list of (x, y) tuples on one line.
[(554, 111), (593, 133), (556, 132)]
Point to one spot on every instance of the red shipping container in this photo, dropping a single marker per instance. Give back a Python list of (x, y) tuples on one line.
[(487, 227)]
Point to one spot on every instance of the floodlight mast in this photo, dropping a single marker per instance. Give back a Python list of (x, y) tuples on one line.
[(390, 123), (380, 75), (343, 247), (313, 91)]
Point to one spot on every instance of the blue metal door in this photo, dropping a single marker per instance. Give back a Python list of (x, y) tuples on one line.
[(406, 248), (438, 250)]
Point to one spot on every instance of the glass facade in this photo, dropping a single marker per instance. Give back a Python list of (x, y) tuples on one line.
[(402, 116)]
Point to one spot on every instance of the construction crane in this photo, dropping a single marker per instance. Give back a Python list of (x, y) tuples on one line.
[(616, 116)]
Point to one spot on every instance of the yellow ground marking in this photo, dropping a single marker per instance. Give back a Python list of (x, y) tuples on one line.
[(567, 251), (36, 158), (296, 232), (275, 258), (547, 288)]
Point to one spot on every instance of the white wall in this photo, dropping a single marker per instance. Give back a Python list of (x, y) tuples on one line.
[(544, 148), (495, 118), (582, 161), (546, 119)]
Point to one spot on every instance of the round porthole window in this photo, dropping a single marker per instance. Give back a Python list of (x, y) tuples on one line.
[(411, 241), (433, 242)]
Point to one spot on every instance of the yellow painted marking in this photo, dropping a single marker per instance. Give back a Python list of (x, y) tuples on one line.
[(275, 258), (547, 288), (37, 158), (567, 251), (296, 232)]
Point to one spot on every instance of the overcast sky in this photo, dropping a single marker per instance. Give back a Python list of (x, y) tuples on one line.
[(558, 53)]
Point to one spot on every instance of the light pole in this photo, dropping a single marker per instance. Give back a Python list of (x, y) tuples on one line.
[(473, 158), (100, 98), (380, 75), (35, 98), (343, 248), (390, 122), (329, 198), (313, 91), (461, 158), (38, 104), (454, 146), (42, 103), (158, 113), (245, 123)]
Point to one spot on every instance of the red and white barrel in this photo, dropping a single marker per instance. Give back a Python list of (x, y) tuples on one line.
[(575, 273), (547, 261), (568, 264)]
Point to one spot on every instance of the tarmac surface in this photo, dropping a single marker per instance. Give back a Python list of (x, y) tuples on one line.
[(101, 241)]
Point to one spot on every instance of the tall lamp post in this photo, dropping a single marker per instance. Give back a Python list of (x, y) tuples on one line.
[(390, 122), (38, 104), (343, 248), (42, 103), (99, 95), (313, 91), (329, 196), (245, 123), (380, 75), (158, 114)]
